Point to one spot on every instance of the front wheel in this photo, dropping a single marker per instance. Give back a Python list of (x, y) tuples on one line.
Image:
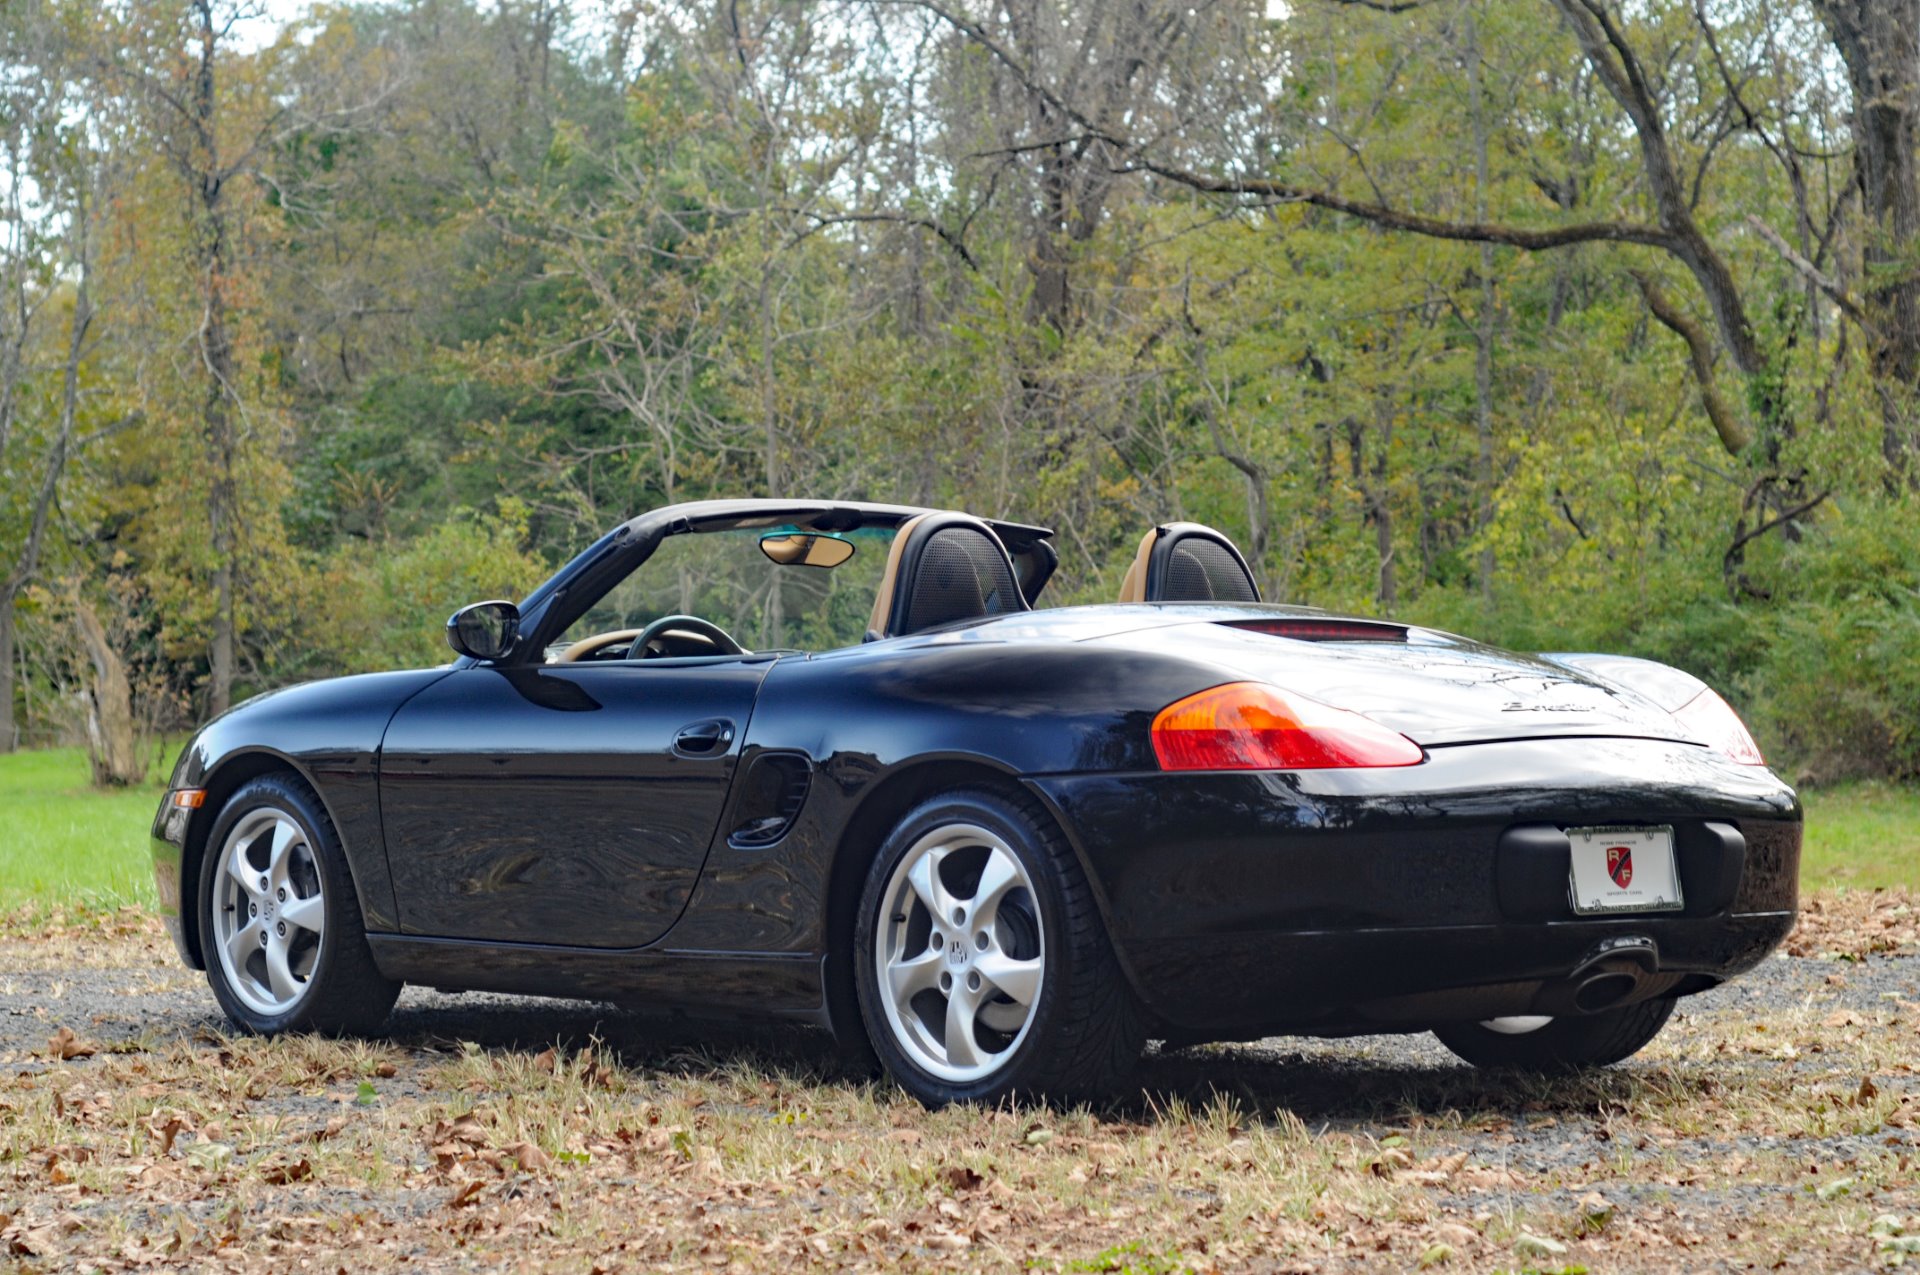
[(982, 966), (280, 925), (1558, 1044)]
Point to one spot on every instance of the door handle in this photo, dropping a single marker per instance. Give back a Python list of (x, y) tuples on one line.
[(704, 739)]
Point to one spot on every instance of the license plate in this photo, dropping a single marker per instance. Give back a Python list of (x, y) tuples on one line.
[(1623, 869)]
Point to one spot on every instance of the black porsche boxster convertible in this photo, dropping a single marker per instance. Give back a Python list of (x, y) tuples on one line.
[(827, 761)]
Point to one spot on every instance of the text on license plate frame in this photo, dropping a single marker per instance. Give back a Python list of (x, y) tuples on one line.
[(1623, 868)]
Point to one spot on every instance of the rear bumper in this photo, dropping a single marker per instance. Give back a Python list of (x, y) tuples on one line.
[(1341, 901)]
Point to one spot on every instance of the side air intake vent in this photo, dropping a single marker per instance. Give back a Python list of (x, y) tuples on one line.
[(1313, 630), (771, 794)]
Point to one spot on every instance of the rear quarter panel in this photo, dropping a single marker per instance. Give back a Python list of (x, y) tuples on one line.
[(867, 715)]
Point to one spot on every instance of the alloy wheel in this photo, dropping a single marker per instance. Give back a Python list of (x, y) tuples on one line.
[(959, 952), (269, 913)]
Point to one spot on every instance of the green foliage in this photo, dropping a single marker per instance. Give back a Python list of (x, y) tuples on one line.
[(381, 605), (1837, 685), (485, 260)]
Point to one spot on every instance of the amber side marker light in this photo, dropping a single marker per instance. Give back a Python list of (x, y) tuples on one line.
[(1253, 726), (190, 798), (1713, 720)]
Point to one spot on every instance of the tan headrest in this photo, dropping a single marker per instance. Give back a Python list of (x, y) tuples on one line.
[(883, 598), (1134, 587)]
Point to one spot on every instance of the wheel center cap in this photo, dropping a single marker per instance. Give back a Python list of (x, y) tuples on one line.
[(957, 952)]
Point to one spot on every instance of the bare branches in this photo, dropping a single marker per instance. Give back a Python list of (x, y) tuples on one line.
[(1834, 290), (823, 220), (1527, 237)]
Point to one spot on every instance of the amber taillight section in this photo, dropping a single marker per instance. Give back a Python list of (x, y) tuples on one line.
[(1720, 728), (1253, 726)]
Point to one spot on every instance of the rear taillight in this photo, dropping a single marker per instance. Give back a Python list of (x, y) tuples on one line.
[(1714, 722), (1252, 726)]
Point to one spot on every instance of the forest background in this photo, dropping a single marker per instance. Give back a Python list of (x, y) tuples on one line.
[(1567, 324)]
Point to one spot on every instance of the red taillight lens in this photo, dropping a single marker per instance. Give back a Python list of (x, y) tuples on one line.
[(1251, 726), (1715, 723)]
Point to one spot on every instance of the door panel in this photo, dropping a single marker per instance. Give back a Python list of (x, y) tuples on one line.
[(564, 804)]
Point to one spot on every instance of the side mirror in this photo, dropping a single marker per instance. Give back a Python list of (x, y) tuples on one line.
[(484, 630)]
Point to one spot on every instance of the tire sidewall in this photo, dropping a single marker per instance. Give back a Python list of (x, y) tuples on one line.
[(1566, 1044), (998, 816), (287, 799)]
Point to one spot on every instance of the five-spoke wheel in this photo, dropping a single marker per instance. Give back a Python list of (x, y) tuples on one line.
[(269, 913), (981, 965), (280, 928), (963, 950)]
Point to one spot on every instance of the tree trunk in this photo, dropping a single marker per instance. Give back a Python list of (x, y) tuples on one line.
[(1879, 40), (28, 563), (112, 746), (9, 725), (212, 253), (1483, 327)]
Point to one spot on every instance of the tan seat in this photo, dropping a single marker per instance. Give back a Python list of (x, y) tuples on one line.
[(889, 578), (943, 568), (1188, 562)]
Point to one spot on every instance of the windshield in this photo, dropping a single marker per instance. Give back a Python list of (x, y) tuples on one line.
[(726, 579)]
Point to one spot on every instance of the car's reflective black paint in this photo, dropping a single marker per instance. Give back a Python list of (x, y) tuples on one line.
[(582, 829)]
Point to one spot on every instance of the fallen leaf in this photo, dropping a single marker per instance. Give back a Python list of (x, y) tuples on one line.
[(528, 1156), (465, 1194), (166, 1133), (1436, 1254), (65, 1045), (960, 1177), (1867, 1092), (283, 1174), (465, 1129)]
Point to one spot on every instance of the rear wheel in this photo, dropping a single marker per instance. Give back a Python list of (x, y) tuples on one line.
[(1537, 1043), (981, 964), (284, 943)]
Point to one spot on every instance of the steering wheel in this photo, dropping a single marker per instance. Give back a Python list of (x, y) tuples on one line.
[(694, 626), (636, 640)]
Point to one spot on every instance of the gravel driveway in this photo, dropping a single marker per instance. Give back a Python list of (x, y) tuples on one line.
[(1682, 1137)]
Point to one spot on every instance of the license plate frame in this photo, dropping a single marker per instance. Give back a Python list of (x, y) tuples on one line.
[(1599, 884)]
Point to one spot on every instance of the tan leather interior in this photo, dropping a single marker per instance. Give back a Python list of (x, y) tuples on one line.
[(1134, 587), (588, 645), (889, 576)]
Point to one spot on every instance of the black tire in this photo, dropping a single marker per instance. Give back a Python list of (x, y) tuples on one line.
[(345, 993), (1083, 1033), (1565, 1044)]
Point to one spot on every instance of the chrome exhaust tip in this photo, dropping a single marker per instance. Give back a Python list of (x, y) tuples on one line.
[(1611, 975)]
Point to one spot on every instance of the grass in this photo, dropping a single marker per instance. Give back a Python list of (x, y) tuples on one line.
[(61, 841), (1861, 836)]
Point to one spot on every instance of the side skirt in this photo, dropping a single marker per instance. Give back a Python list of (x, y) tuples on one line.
[(748, 985)]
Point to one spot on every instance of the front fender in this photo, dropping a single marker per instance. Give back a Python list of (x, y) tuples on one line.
[(329, 733)]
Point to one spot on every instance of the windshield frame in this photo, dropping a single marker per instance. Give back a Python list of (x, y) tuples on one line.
[(575, 588)]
